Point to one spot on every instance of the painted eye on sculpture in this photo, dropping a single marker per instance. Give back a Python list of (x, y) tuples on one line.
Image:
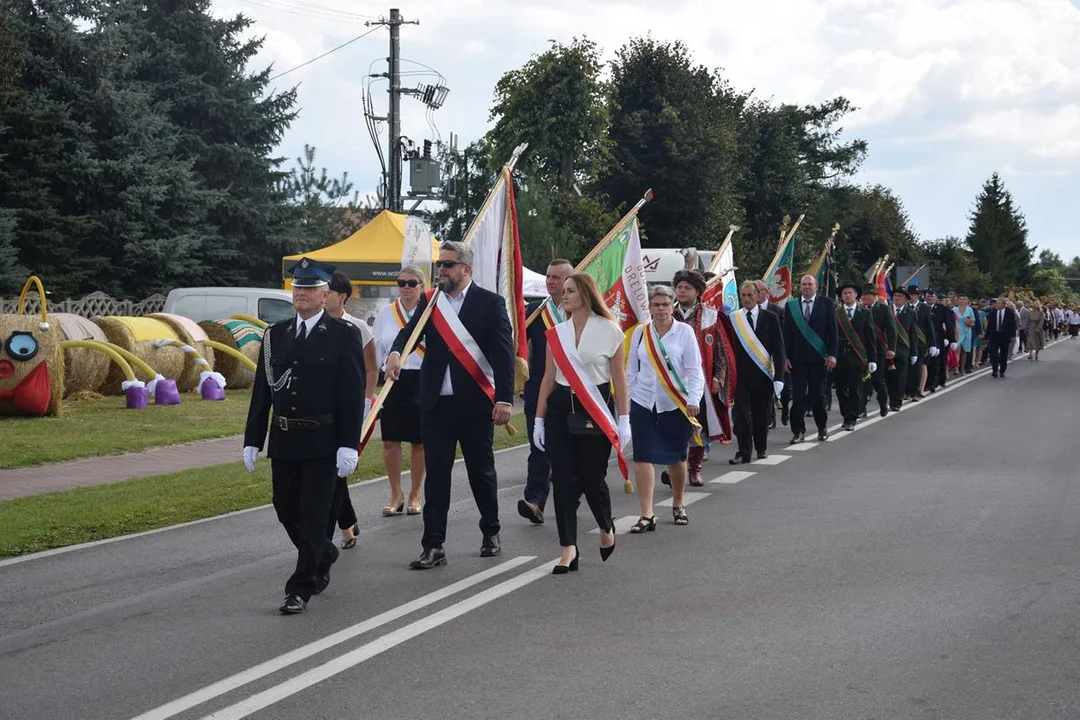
[(21, 346)]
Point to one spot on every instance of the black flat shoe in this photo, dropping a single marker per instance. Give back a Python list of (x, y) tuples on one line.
[(665, 478), (293, 605), (762, 455), (564, 569), (738, 460), (490, 546), (431, 557)]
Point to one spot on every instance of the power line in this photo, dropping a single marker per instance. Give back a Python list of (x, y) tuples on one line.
[(320, 57)]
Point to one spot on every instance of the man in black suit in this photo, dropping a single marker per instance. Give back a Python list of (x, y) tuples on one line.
[(755, 390), (857, 356), (811, 342), (884, 348), (456, 406), (778, 310), (944, 320), (1000, 330), (538, 476), (311, 373)]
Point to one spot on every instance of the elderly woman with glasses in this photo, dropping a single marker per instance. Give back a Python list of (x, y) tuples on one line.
[(666, 383), (399, 420)]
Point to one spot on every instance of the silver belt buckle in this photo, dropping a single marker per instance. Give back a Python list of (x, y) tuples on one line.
[(283, 423)]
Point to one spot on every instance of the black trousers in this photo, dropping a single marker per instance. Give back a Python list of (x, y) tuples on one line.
[(847, 377), (444, 428), (999, 351), (808, 381), (538, 473), (343, 510), (943, 366), (579, 465), (896, 380), (753, 398), (303, 499), (877, 383), (914, 376)]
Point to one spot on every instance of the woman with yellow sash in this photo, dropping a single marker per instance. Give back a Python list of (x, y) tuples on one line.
[(666, 381)]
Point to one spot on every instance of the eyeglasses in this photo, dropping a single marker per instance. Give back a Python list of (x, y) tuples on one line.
[(447, 264), (408, 283)]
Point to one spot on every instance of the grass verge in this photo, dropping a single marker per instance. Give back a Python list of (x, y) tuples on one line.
[(59, 519), (102, 426)]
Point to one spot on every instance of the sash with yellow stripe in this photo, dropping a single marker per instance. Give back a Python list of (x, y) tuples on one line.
[(402, 319), (550, 314), (751, 343), (669, 377)]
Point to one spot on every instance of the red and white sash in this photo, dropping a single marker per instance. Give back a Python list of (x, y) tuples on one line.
[(706, 330), (463, 346), (402, 318), (560, 339)]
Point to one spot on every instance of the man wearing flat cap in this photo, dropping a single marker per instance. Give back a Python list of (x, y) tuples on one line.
[(311, 375)]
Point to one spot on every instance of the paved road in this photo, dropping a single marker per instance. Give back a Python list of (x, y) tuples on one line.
[(925, 566)]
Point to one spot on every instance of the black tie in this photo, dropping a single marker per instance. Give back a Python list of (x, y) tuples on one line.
[(302, 335), (750, 318)]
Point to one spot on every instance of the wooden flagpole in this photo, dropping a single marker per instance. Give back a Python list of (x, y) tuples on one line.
[(715, 264)]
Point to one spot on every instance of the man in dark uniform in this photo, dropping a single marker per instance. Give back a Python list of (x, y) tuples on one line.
[(538, 477), (907, 357), (925, 340), (785, 397), (454, 406), (884, 350), (810, 341), (944, 321), (311, 374), (854, 360)]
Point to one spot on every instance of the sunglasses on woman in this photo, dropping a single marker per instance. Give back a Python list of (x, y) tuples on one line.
[(408, 283)]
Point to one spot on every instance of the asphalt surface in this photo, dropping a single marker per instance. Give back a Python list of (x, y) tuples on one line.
[(925, 566)]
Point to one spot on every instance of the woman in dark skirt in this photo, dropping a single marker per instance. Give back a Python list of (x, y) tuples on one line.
[(399, 420)]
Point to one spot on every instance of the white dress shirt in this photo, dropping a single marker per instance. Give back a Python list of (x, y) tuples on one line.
[(682, 349), (455, 303), (850, 310), (599, 342), (753, 314), (386, 331), (802, 307), (311, 322), (365, 331)]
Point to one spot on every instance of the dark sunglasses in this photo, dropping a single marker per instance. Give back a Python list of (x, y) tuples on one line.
[(408, 283), (447, 264)]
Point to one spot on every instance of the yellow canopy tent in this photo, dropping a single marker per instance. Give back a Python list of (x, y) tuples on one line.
[(370, 256)]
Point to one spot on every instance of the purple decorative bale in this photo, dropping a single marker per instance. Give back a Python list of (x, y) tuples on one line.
[(210, 390), (165, 392), (136, 397)]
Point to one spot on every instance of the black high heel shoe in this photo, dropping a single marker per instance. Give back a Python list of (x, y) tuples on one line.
[(605, 552), (563, 569)]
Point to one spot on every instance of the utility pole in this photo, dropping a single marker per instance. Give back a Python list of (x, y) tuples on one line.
[(393, 185)]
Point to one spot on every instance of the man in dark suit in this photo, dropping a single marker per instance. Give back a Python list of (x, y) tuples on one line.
[(778, 310), (538, 476), (311, 373), (455, 406), (755, 390), (907, 358), (856, 358), (944, 320), (884, 348), (811, 344), (926, 340), (1000, 330)]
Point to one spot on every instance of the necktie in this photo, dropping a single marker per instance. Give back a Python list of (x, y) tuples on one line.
[(1001, 318), (851, 313), (302, 335), (750, 319), (806, 309)]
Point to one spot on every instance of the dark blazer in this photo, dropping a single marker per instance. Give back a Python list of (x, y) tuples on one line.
[(863, 324), (884, 330), (769, 332), (484, 315), (537, 357), (924, 319), (944, 323), (905, 319), (327, 377), (1007, 329), (822, 321)]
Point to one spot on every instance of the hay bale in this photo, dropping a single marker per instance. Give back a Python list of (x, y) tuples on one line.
[(189, 332), (227, 365), (84, 370), (137, 335), (14, 370), (245, 337)]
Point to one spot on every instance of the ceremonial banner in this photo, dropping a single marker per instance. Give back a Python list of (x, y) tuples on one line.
[(620, 274), (416, 248), (493, 237), (722, 291), (778, 277)]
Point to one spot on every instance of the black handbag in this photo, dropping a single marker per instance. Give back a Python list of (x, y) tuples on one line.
[(579, 423)]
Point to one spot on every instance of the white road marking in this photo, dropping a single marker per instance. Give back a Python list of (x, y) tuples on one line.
[(730, 478), (301, 653), (800, 447), (689, 498), (363, 653), (771, 460), (622, 525)]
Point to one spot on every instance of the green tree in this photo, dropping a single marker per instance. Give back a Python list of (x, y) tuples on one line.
[(998, 234), (953, 266), (466, 182), (873, 223), (326, 209)]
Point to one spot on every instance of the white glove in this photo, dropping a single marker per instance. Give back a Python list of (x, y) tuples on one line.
[(346, 461), (624, 431), (935, 351), (914, 359), (538, 433), (953, 346), (778, 387), (873, 368), (367, 406), (251, 454)]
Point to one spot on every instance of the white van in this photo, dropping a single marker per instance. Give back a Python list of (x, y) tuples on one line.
[(217, 303), (661, 264)]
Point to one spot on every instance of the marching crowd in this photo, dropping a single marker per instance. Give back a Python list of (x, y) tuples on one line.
[(691, 377)]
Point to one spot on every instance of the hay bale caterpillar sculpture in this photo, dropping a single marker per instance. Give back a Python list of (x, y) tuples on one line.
[(31, 360)]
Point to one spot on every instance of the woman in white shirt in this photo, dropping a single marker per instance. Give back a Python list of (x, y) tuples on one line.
[(660, 429), (340, 292), (399, 420), (579, 455)]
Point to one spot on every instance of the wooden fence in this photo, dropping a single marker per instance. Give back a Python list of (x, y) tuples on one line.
[(92, 305)]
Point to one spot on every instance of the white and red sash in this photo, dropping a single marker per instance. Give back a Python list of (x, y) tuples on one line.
[(402, 318), (463, 346), (560, 338)]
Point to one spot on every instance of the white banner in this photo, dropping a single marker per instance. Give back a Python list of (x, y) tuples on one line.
[(416, 248), (633, 276), (487, 240)]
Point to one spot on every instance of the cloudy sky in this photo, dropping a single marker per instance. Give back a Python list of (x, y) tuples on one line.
[(949, 91)]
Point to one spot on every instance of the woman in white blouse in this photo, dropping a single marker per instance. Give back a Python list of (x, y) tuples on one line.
[(579, 456), (399, 420), (660, 429)]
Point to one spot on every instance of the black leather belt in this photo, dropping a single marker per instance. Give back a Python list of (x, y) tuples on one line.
[(309, 423)]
